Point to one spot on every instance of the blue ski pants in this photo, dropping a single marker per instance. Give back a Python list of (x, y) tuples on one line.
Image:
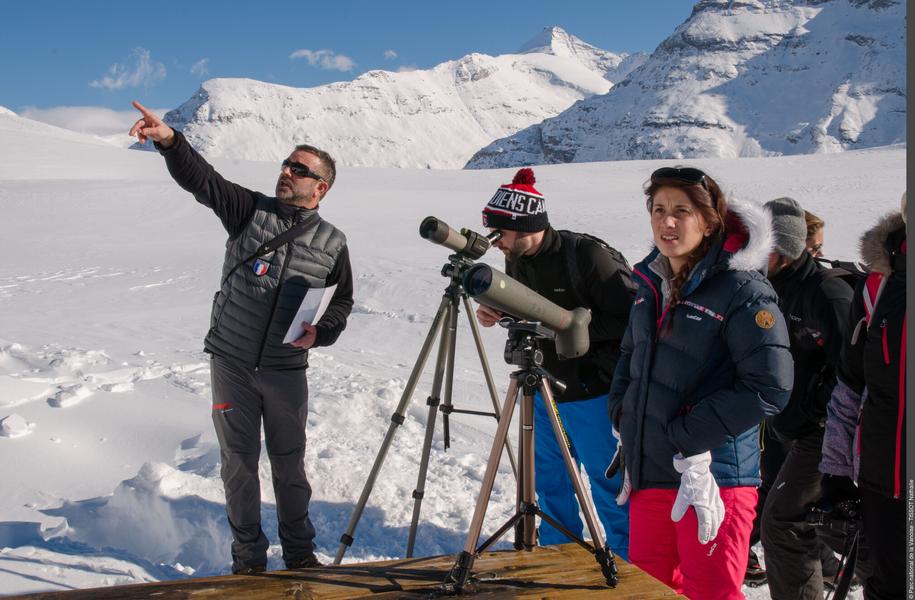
[(592, 445)]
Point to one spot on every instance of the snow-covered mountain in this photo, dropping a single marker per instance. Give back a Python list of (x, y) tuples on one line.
[(555, 41), (741, 78), (435, 118)]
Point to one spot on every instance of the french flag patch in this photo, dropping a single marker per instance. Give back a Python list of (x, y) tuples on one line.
[(260, 267)]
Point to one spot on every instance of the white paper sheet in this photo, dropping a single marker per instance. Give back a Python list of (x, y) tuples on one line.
[(310, 311)]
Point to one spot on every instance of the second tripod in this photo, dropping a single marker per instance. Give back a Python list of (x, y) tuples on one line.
[(522, 349)]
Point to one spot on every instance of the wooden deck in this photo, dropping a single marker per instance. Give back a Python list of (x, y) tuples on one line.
[(565, 571)]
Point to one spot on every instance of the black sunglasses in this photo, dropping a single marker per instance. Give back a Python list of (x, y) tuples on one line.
[(687, 174), (300, 170)]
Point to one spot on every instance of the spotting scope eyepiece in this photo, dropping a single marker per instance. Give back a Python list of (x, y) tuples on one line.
[(466, 242), (494, 288)]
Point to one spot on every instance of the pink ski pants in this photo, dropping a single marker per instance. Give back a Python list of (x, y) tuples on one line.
[(671, 552)]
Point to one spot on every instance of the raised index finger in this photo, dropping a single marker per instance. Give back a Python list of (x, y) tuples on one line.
[(143, 109)]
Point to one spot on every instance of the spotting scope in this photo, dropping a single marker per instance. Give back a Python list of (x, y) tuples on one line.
[(465, 242), (494, 288)]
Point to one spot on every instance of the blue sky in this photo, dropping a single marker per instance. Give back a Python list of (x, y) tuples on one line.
[(105, 53)]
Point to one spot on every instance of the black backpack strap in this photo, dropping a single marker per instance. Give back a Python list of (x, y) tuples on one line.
[(570, 242), (272, 245)]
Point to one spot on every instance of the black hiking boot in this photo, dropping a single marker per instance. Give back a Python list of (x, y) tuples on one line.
[(756, 574), (250, 570), (306, 561)]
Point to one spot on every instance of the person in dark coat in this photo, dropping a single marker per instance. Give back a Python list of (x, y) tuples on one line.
[(865, 439), (705, 358), (570, 270), (256, 376), (815, 304)]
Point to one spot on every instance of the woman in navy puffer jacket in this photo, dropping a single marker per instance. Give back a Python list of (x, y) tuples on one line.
[(705, 358)]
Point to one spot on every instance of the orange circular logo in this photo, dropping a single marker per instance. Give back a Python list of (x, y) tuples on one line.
[(765, 319)]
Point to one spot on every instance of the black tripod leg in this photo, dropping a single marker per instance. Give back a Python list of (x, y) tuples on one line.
[(459, 574), (500, 532), (603, 553), (519, 488), (397, 419), (449, 369), (441, 363), (487, 375), (527, 495)]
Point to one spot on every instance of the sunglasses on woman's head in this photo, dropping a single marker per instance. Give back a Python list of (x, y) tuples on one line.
[(687, 174)]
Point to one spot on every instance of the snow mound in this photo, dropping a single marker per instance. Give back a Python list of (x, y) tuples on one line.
[(15, 426), (172, 517)]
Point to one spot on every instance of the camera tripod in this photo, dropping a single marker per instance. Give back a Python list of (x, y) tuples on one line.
[(522, 350), (445, 324)]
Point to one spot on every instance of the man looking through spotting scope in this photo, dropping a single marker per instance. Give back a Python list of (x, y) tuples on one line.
[(278, 249), (571, 270)]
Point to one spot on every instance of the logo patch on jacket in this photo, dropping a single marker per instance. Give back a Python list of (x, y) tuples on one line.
[(702, 309), (765, 319), (262, 265)]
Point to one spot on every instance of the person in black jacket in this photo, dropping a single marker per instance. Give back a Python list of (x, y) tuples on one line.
[(815, 304), (865, 438), (570, 270), (256, 377)]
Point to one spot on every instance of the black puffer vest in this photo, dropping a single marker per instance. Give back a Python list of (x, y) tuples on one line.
[(252, 313)]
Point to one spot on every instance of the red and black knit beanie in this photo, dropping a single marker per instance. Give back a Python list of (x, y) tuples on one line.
[(517, 206)]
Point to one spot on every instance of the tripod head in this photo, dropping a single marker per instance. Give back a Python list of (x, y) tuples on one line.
[(522, 348)]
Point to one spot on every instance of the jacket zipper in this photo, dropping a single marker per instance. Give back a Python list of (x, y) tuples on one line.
[(657, 302), (276, 298), (636, 476)]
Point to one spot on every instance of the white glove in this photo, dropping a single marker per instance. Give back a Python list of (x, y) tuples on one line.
[(699, 490), (616, 463)]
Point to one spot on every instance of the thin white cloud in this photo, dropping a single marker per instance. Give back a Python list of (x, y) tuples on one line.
[(95, 120), (326, 59), (406, 68), (390, 54), (141, 70), (201, 68)]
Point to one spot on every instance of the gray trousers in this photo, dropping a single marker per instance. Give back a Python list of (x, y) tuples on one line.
[(791, 545), (242, 398)]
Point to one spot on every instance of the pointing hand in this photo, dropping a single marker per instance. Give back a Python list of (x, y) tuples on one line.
[(149, 126)]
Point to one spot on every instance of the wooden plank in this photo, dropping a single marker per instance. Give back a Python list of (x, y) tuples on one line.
[(566, 571)]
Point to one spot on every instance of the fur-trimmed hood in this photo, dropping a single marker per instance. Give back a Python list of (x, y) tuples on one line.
[(873, 245), (748, 238), (749, 235)]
